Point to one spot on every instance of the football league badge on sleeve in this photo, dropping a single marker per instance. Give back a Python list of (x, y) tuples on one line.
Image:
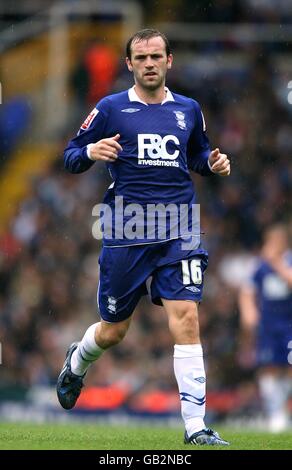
[(89, 119)]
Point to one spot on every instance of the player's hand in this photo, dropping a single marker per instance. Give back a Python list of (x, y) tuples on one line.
[(219, 163), (106, 149)]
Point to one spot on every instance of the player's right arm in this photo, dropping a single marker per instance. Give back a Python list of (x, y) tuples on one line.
[(249, 317), (92, 142), (105, 149), (248, 309)]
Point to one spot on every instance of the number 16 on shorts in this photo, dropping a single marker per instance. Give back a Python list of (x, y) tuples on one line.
[(191, 271)]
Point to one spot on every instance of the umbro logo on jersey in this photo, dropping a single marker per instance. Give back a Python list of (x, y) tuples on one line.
[(130, 110), (193, 289)]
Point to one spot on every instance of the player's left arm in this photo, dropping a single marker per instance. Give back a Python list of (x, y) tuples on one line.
[(200, 157)]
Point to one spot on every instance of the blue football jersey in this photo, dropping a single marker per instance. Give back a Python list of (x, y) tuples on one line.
[(274, 295), (161, 144)]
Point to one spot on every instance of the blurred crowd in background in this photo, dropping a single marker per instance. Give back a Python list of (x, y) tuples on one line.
[(49, 258), (213, 11)]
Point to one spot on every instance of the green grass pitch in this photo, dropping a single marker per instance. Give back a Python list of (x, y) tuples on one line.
[(89, 436)]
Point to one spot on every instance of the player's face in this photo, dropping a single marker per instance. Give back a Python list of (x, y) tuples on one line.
[(277, 238), (149, 63)]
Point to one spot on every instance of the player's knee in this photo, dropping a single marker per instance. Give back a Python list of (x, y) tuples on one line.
[(184, 324), (190, 319), (187, 317), (111, 336)]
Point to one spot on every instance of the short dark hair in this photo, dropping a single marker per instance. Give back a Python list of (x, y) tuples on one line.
[(145, 35)]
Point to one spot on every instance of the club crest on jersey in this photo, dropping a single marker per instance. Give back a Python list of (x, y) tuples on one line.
[(130, 110), (89, 119), (180, 118)]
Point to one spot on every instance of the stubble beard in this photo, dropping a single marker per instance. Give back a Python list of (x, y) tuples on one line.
[(148, 86)]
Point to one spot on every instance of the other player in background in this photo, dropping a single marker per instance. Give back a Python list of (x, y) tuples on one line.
[(150, 138), (266, 314)]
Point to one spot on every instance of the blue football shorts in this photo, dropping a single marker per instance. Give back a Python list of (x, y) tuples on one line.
[(173, 273), (272, 344)]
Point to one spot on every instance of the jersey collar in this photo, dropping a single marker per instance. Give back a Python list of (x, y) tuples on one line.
[(134, 97)]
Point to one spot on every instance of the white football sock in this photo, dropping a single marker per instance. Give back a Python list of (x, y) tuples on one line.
[(274, 395), (86, 353), (191, 379), (286, 383)]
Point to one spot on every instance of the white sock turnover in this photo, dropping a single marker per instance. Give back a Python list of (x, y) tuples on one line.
[(86, 353)]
